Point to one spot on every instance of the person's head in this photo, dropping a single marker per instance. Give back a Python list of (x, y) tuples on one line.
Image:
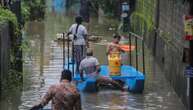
[(78, 20), (116, 38), (89, 52), (66, 75)]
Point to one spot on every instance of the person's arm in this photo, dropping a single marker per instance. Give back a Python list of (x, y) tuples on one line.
[(118, 47), (48, 96), (98, 69), (108, 49), (78, 103), (121, 50), (97, 66), (69, 33), (81, 75), (70, 30), (45, 99), (87, 42), (85, 34)]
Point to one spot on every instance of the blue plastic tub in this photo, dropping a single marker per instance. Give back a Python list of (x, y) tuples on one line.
[(133, 79)]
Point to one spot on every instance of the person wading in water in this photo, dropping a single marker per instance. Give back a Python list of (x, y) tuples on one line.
[(80, 41), (64, 95)]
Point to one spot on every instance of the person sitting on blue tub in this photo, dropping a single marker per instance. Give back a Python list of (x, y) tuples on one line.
[(91, 68)]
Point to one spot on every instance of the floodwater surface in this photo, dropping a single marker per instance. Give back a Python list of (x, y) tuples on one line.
[(44, 63)]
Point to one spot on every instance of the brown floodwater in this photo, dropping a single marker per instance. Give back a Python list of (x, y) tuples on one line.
[(44, 63)]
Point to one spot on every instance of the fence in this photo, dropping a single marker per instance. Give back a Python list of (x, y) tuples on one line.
[(138, 56), (69, 53)]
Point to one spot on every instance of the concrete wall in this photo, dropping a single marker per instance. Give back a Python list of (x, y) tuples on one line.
[(5, 45), (169, 44)]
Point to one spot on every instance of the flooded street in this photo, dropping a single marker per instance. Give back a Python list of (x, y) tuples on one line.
[(44, 63)]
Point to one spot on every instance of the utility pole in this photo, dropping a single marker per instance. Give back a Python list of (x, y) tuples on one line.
[(191, 64)]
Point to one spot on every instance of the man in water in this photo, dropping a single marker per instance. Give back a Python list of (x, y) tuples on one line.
[(64, 95), (80, 40), (90, 66)]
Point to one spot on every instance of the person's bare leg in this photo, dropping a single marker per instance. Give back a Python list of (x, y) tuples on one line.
[(104, 80)]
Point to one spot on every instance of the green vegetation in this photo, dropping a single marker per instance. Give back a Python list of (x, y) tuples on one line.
[(37, 9), (13, 78), (13, 81), (109, 6), (11, 84), (142, 20), (33, 10), (7, 16), (140, 24), (30, 10), (25, 10)]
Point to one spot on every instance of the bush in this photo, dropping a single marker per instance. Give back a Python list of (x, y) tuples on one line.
[(33, 9), (25, 11), (13, 78), (7, 16), (12, 83)]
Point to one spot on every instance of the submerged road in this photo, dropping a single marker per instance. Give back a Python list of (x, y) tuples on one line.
[(44, 62)]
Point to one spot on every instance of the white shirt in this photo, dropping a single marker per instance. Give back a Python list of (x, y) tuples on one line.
[(88, 65), (81, 32)]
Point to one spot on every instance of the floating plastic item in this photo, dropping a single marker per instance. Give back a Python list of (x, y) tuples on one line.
[(133, 79), (114, 64)]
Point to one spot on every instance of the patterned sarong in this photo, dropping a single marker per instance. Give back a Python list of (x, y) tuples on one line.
[(79, 54)]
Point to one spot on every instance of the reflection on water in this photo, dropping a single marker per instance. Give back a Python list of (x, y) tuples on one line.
[(43, 64)]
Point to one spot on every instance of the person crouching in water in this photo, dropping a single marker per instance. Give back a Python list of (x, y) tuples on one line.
[(80, 40), (64, 95), (91, 67)]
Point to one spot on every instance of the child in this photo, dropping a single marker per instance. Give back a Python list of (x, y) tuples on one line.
[(114, 47)]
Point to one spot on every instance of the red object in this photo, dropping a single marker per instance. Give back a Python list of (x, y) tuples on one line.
[(188, 22), (188, 17), (188, 37)]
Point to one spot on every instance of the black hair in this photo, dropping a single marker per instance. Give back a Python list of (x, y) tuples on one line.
[(116, 36), (66, 74), (90, 54), (78, 20)]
